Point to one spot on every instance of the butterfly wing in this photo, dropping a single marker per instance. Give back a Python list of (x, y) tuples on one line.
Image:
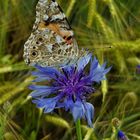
[(52, 41)]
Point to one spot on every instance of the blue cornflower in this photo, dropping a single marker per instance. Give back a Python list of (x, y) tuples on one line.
[(138, 69), (121, 135), (68, 87)]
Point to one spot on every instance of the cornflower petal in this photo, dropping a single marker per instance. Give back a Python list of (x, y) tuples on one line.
[(40, 79), (68, 103), (89, 114), (50, 107), (94, 65), (42, 90), (51, 72), (68, 71), (39, 74), (83, 61), (97, 72), (47, 104), (104, 65), (38, 87), (78, 110), (107, 70), (40, 93)]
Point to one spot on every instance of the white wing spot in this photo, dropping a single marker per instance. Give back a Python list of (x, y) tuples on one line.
[(45, 17)]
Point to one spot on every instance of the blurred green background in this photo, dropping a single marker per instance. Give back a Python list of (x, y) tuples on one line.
[(108, 28)]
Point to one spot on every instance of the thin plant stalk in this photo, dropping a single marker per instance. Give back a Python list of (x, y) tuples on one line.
[(78, 130)]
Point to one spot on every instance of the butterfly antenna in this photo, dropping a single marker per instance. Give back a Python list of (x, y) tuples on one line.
[(100, 48)]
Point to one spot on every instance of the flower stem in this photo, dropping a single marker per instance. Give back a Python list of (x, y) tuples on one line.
[(78, 130)]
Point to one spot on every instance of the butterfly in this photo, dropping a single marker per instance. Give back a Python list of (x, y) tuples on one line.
[(52, 40)]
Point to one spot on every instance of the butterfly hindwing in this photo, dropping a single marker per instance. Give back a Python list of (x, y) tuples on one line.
[(52, 41)]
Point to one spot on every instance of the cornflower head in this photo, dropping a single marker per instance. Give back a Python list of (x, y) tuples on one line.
[(68, 87), (121, 135)]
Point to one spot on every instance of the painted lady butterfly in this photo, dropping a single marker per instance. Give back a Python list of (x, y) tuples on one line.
[(52, 41)]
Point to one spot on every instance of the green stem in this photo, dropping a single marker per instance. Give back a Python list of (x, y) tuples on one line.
[(78, 130)]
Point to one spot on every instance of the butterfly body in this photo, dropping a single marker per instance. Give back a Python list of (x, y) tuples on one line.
[(52, 41)]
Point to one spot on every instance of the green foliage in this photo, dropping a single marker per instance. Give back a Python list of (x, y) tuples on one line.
[(111, 29)]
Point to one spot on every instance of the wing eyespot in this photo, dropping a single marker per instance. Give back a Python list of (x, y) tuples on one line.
[(34, 47), (40, 39), (34, 54)]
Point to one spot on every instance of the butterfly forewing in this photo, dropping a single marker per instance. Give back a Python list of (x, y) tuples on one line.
[(52, 41)]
